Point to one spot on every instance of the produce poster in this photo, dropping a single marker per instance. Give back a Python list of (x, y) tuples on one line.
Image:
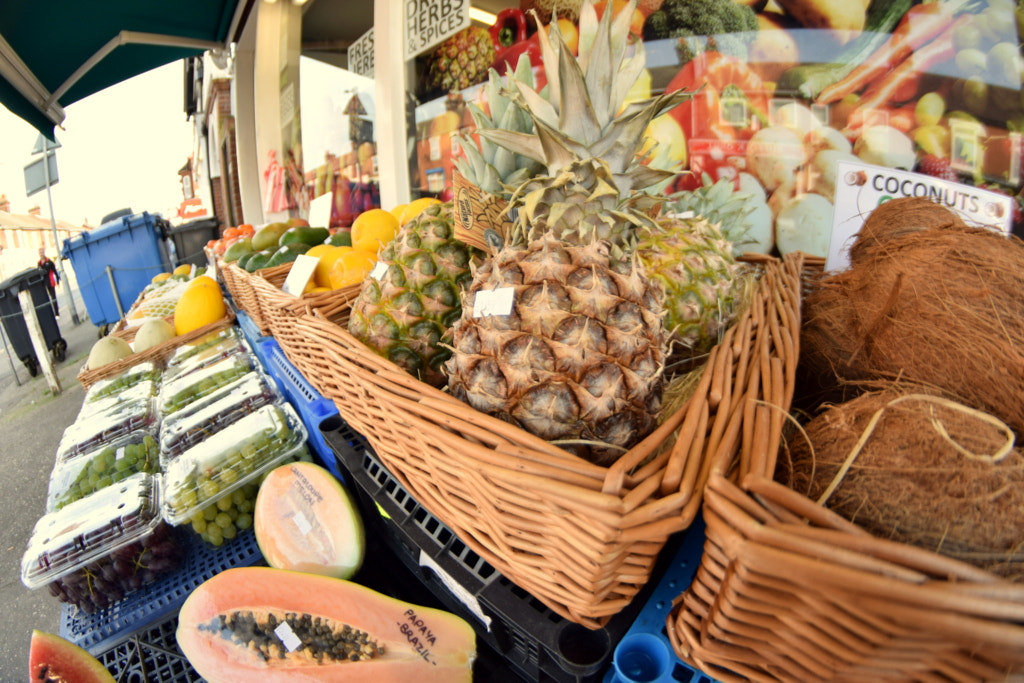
[(862, 187)]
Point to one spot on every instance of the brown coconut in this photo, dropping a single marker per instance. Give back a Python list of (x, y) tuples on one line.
[(909, 482), (939, 306), (901, 216)]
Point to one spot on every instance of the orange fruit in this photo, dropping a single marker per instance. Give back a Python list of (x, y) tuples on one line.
[(322, 274), (351, 268), (414, 208), (372, 229)]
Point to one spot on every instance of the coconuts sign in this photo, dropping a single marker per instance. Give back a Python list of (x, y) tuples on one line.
[(428, 22), (862, 187)]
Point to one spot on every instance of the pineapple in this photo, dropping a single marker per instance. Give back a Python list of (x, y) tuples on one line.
[(405, 314), (579, 359), (461, 60)]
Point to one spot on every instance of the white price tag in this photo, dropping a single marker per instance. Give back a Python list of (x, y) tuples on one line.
[(302, 523), (380, 269), (120, 453), (320, 211), (288, 638), (298, 276), (494, 301)]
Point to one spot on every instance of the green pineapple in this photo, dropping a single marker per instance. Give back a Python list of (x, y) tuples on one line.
[(579, 358), (405, 313)]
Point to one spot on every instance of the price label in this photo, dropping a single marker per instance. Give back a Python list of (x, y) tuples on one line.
[(380, 269), (302, 523), (120, 453), (288, 638), (298, 276), (320, 210), (494, 302)]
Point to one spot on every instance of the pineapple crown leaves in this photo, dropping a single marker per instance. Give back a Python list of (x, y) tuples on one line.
[(583, 115), (720, 203)]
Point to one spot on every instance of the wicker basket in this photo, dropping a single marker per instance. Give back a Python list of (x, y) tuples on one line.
[(157, 353), (581, 538), (789, 591), (247, 293)]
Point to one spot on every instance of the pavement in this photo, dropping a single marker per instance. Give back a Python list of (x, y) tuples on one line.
[(32, 420)]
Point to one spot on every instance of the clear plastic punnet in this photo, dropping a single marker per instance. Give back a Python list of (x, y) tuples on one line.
[(227, 346), (147, 371), (178, 393), (90, 431), (109, 464), (94, 551), (145, 390), (203, 418), (186, 351), (235, 456)]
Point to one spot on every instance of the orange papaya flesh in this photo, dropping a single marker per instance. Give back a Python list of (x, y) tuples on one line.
[(230, 629)]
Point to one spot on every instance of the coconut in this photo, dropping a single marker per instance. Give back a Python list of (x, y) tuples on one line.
[(898, 217), (908, 465), (939, 306)]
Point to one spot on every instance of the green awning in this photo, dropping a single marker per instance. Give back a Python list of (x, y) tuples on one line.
[(56, 52)]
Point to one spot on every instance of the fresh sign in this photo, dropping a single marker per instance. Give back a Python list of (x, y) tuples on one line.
[(428, 22), (360, 56), (861, 187)]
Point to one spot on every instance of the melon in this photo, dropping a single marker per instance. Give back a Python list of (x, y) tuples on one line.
[(278, 626), (107, 350), (52, 659), (199, 305), (306, 521), (151, 333)]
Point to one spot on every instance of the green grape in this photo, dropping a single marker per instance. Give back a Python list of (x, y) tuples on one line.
[(229, 531), (123, 465), (239, 496), (104, 482), (209, 488), (223, 520), (244, 520), (206, 537), (249, 451), (233, 512), (189, 498), (199, 525), (229, 476), (215, 533), (210, 512), (245, 506), (224, 504)]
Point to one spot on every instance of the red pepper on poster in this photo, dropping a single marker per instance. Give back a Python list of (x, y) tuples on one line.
[(509, 28)]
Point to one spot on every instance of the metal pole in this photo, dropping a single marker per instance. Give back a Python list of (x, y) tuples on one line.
[(113, 288), (53, 225)]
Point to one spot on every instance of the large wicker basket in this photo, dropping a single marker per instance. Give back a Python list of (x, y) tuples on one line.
[(789, 591), (581, 538), (246, 293), (158, 353)]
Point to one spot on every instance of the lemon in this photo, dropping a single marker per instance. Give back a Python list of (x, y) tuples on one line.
[(351, 268), (396, 211), (199, 305), (319, 250), (322, 274), (373, 229), (414, 208)]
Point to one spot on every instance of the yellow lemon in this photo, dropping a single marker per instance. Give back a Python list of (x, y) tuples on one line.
[(322, 274), (414, 208), (396, 211), (373, 229), (351, 268), (160, 277), (183, 269), (198, 306)]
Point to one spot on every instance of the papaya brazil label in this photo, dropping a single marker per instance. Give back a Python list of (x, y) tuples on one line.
[(428, 22), (862, 187), (360, 59)]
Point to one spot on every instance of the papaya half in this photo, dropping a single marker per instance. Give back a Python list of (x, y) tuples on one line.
[(279, 626)]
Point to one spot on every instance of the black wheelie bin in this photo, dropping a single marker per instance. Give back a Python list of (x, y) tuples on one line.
[(34, 281)]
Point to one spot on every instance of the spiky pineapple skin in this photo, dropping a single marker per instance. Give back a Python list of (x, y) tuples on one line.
[(579, 358), (700, 278), (406, 314), (461, 60)]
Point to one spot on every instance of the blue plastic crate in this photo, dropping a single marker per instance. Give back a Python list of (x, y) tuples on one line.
[(251, 332), (646, 642), (134, 247), (105, 628), (310, 405)]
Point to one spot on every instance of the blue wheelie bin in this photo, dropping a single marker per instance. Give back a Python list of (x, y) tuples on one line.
[(133, 247), (34, 281)]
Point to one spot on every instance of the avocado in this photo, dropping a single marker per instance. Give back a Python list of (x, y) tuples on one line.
[(258, 260), (244, 258), (237, 249), (287, 253), (304, 235), (342, 238)]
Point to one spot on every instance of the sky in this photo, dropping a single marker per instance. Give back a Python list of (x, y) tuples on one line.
[(120, 148)]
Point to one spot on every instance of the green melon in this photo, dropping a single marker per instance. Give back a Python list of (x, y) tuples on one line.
[(151, 333), (52, 659), (306, 521), (107, 350)]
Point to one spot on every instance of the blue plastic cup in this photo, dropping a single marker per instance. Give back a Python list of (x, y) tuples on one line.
[(642, 658)]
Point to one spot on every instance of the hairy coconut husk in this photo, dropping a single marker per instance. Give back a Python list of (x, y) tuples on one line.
[(910, 466), (898, 217), (941, 306)]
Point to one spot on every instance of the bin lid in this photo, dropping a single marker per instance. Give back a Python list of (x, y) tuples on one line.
[(21, 278)]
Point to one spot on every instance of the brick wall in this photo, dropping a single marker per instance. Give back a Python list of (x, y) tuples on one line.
[(227, 195)]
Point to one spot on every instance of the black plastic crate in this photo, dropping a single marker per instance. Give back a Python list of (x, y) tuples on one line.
[(537, 643), (150, 655)]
